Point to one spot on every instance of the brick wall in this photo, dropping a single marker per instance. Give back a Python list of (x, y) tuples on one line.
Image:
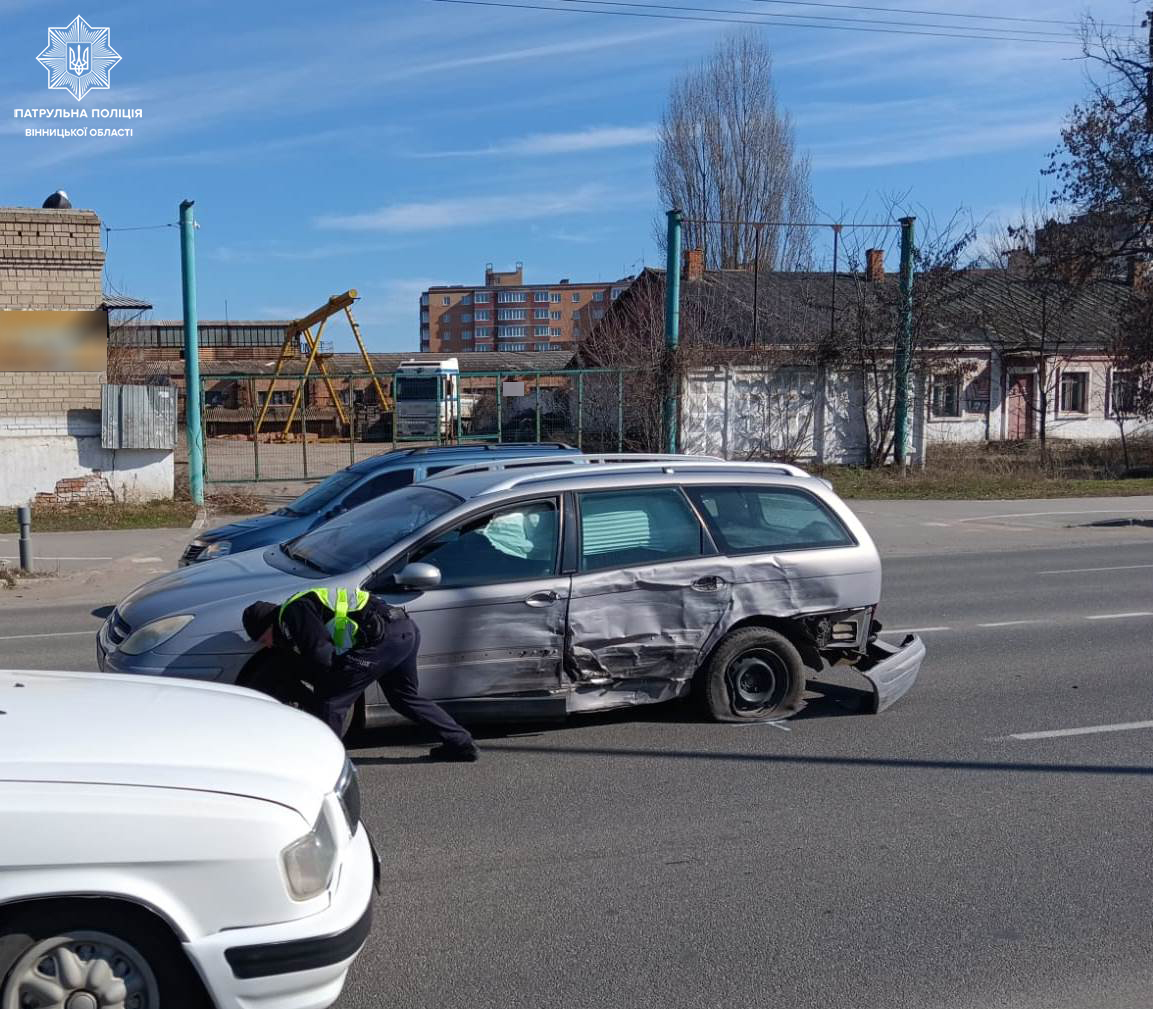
[(46, 394), (50, 259)]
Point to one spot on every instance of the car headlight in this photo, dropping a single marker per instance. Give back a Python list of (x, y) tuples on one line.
[(216, 549), (155, 634), (310, 860)]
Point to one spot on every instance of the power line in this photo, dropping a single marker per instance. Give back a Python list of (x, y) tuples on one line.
[(936, 13), (820, 17), (754, 20)]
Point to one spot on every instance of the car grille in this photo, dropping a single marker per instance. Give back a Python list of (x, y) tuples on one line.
[(118, 629), (192, 552), (348, 791)]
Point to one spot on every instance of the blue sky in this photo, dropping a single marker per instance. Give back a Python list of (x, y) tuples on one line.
[(387, 146)]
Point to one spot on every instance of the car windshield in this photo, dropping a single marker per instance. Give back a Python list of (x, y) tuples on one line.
[(355, 539), (322, 494)]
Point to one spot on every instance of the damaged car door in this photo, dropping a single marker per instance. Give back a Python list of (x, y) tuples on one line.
[(495, 622), (646, 595)]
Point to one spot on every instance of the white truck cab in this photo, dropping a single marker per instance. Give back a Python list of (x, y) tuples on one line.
[(176, 844)]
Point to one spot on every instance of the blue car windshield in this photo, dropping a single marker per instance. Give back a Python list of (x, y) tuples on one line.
[(323, 494), (363, 534)]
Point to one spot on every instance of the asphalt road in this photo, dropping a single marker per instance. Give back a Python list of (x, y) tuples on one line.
[(922, 858)]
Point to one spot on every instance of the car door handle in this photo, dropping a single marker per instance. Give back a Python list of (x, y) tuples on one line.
[(710, 583), (546, 598)]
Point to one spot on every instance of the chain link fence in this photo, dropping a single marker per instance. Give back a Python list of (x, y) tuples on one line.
[(295, 428)]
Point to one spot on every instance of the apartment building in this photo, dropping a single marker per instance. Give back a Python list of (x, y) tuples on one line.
[(506, 314)]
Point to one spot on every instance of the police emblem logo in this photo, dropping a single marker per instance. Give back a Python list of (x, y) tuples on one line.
[(78, 58)]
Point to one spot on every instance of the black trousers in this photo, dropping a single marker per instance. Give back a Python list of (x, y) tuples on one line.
[(391, 662)]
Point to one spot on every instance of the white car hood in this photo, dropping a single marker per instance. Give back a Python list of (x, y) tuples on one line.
[(164, 733)]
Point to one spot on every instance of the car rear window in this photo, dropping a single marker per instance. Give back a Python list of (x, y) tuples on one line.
[(630, 528), (745, 519)]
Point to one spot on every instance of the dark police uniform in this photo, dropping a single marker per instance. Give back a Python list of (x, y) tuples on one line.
[(346, 641)]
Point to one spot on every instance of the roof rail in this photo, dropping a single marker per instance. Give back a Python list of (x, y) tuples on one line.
[(684, 465), (565, 460), (484, 446)]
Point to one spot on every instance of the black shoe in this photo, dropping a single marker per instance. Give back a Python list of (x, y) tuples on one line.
[(453, 754)]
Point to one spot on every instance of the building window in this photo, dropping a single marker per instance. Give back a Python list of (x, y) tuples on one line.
[(466, 316), (446, 300), (280, 397), (540, 313), (424, 316), (483, 332), (541, 331), (504, 332), (554, 297), (466, 334), (598, 295), (482, 297), (946, 399), (511, 314), (617, 292), (555, 316), (576, 297), (467, 299), (483, 348), (544, 346), (598, 313), (514, 346), (1074, 392), (424, 299), (1123, 393), (509, 297), (554, 332), (425, 345), (541, 296), (424, 331), (482, 315), (575, 316)]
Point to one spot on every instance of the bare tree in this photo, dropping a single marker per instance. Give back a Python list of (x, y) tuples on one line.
[(868, 320), (726, 152)]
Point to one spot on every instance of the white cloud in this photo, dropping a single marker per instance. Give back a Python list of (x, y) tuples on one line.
[(441, 215), (595, 138)]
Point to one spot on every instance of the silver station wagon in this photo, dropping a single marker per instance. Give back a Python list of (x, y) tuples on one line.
[(549, 590)]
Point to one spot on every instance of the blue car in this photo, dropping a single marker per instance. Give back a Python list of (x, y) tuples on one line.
[(361, 482)]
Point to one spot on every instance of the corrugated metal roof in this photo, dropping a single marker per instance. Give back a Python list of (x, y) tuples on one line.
[(385, 364), (119, 301)]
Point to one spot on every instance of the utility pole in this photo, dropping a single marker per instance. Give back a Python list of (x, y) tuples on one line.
[(191, 354), (904, 348), (672, 325)]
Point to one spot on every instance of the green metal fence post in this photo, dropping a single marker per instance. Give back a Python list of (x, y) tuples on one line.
[(672, 324), (351, 422), (255, 436), (459, 426), (499, 408), (580, 409), (620, 410), (193, 430), (904, 347), (536, 406), (304, 425), (394, 411)]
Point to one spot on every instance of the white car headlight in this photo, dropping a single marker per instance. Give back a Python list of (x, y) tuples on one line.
[(309, 861), (154, 634), (218, 549)]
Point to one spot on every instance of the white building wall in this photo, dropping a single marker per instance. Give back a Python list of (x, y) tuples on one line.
[(38, 452)]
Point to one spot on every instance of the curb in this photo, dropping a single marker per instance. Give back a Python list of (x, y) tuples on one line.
[(200, 520)]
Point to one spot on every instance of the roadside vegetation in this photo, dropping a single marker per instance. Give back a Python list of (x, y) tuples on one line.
[(1007, 470), (176, 514)]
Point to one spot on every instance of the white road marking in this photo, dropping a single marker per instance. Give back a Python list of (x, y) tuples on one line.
[(146, 560), (37, 557), (58, 634), (1120, 616), (1012, 623), (1079, 571), (914, 630), (938, 525), (1030, 515), (1085, 731)]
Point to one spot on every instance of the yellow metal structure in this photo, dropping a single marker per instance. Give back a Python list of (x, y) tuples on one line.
[(291, 347)]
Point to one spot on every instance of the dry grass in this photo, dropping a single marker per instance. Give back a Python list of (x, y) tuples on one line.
[(77, 518), (1007, 470), (10, 576)]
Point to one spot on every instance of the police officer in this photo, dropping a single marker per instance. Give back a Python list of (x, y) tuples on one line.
[(344, 641)]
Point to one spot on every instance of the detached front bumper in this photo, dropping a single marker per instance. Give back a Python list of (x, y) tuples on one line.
[(891, 669), (299, 964)]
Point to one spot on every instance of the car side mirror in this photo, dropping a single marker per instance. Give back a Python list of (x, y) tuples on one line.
[(418, 576)]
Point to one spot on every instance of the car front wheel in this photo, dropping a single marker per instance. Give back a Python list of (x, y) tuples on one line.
[(89, 956), (755, 674)]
